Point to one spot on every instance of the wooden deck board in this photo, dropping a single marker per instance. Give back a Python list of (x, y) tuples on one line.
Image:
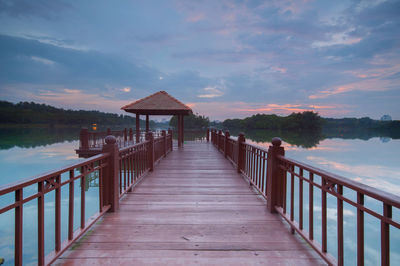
[(193, 209)]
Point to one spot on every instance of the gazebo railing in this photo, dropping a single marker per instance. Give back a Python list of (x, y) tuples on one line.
[(117, 169), (96, 139)]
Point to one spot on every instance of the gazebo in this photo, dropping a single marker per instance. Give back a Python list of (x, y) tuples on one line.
[(159, 103)]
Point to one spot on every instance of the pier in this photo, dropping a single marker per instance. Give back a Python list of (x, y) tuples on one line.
[(220, 200), (193, 208), (217, 201)]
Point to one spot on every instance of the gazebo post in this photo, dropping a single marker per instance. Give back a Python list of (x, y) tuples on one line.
[(137, 127), (147, 123), (182, 128), (179, 130)]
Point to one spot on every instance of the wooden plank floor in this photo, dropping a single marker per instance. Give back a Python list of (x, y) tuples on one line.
[(193, 209)]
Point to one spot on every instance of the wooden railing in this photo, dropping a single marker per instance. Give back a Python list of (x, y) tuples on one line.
[(279, 179), (118, 171), (96, 139)]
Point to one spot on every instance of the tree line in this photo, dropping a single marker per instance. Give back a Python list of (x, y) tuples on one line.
[(191, 121), (26, 113), (295, 121), (310, 123)]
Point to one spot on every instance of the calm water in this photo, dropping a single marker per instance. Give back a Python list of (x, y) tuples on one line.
[(375, 162)]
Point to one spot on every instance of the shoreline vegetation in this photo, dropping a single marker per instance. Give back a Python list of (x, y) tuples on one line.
[(30, 114), (21, 123)]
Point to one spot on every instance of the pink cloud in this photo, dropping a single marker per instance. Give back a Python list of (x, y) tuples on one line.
[(363, 85), (375, 72), (195, 17), (224, 110), (78, 99), (289, 108), (293, 6), (281, 70)]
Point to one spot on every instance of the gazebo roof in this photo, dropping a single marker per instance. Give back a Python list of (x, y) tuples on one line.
[(159, 103)]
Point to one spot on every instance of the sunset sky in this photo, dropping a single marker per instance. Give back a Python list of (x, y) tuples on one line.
[(226, 59)]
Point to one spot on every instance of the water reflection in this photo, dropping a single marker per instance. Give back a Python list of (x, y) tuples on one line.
[(310, 138), (370, 160), (21, 163), (33, 137)]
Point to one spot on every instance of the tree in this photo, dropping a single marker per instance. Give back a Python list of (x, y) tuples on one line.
[(191, 121)]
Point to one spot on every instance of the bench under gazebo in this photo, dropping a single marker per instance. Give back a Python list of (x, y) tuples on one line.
[(159, 103)]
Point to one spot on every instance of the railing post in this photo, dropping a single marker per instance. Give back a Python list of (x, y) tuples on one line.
[(130, 134), (208, 135), (150, 138), (241, 152), (93, 134), (219, 139), (275, 175), (227, 135), (213, 136), (84, 139), (170, 133), (125, 135), (111, 176), (164, 135)]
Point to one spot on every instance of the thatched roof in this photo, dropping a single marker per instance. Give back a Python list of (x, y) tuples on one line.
[(159, 103)]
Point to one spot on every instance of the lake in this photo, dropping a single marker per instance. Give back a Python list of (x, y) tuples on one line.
[(371, 160)]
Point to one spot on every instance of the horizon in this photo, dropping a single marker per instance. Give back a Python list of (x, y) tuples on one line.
[(166, 118), (224, 59)]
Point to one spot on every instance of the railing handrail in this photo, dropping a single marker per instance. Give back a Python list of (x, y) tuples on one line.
[(133, 146), (7, 188), (372, 192), (119, 169), (273, 184)]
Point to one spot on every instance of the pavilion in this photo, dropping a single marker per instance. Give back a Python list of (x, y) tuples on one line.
[(159, 103)]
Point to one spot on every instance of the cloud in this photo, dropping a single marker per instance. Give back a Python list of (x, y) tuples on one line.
[(290, 108), (25, 61), (78, 99), (341, 38), (281, 70), (331, 213), (267, 52), (195, 17), (362, 173), (211, 92), (239, 109), (42, 60), (363, 85), (40, 8)]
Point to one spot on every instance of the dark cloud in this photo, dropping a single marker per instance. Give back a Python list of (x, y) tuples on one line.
[(38, 8), (30, 61)]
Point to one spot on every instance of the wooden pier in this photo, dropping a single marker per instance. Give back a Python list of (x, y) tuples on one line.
[(194, 208), (222, 201), (219, 201)]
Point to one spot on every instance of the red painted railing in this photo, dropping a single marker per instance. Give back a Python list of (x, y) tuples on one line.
[(96, 139), (274, 176), (133, 164), (118, 171)]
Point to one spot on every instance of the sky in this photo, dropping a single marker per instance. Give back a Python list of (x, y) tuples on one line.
[(225, 59)]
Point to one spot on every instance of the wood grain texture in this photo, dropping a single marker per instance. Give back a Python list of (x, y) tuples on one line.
[(193, 209)]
